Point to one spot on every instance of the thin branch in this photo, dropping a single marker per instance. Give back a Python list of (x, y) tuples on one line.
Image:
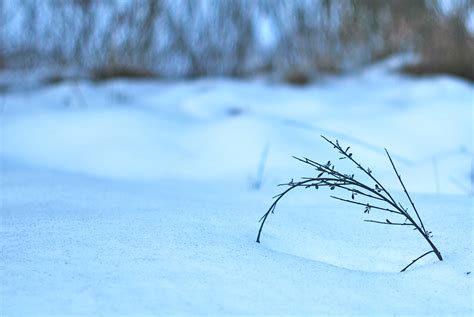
[(406, 267), (349, 156), (272, 208), (390, 223), (358, 192), (330, 177), (405, 190), (366, 204), (326, 169), (324, 181)]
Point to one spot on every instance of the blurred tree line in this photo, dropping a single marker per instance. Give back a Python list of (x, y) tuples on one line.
[(190, 38)]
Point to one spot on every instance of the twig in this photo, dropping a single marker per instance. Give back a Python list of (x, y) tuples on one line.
[(412, 262), (390, 223), (272, 208), (366, 171), (257, 183), (328, 176), (405, 190), (366, 204)]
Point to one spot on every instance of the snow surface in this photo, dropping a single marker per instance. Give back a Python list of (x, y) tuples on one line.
[(136, 197)]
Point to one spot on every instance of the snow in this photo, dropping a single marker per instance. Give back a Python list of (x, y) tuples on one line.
[(135, 197)]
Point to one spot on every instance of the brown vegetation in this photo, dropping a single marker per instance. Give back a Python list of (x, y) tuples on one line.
[(192, 39)]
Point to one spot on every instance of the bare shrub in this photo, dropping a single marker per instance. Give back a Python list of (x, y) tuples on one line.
[(298, 78), (445, 45), (370, 195), (182, 38), (120, 72)]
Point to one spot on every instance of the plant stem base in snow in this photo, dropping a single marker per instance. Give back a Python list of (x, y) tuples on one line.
[(374, 197)]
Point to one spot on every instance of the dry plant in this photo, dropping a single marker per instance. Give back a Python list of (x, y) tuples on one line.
[(370, 197), (296, 41)]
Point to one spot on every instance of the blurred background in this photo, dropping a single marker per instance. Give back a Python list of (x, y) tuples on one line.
[(295, 41), (138, 89)]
